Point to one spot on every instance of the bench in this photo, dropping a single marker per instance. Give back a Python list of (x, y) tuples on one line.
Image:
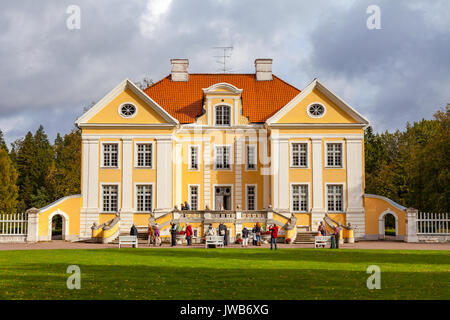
[(321, 241), (214, 240), (129, 240)]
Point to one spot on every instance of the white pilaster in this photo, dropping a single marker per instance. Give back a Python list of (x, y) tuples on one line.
[(178, 175), (127, 169), (280, 173), (317, 211), (164, 173), (236, 111), (207, 174), (411, 225), (238, 172), (355, 208)]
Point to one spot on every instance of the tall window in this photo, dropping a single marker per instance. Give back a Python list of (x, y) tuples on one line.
[(299, 197), (251, 198), (251, 157), (223, 115), (222, 157), (299, 155), (144, 155), (110, 154), (193, 195), (334, 154), (110, 198), (335, 198), (193, 161), (144, 198)]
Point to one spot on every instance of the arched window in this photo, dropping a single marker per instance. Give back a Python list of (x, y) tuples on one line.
[(223, 115)]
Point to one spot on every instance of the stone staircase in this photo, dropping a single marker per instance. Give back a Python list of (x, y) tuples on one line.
[(305, 237)]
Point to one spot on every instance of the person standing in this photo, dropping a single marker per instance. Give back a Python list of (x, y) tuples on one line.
[(273, 235), (134, 232), (258, 234), (321, 229), (223, 232), (151, 235), (157, 236), (337, 231), (245, 233), (173, 232), (186, 206), (189, 234)]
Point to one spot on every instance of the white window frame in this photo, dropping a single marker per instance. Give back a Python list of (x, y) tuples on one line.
[(196, 146), (135, 147), (119, 192), (313, 116), (231, 156), (119, 110), (291, 197), (214, 114), (256, 196), (213, 194), (325, 151), (135, 185), (198, 195), (308, 154), (102, 154), (344, 194), (255, 148)]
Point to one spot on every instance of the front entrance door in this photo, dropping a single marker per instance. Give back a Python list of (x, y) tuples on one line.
[(222, 198)]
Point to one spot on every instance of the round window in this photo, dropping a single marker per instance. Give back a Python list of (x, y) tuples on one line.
[(316, 110), (127, 110)]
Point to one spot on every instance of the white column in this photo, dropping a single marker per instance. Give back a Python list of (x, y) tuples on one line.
[(238, 172), (411, 225), (355, 208), (207, 174), (90, 210), (317, 211), (178, 175), (164, 173), (280, 173), (126, 211)]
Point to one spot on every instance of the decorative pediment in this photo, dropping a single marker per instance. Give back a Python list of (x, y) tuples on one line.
[(222, 88)]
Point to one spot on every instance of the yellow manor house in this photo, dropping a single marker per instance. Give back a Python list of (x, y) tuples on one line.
[(239, 148)]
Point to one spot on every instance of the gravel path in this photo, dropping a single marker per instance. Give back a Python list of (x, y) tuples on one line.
[(392, 245)]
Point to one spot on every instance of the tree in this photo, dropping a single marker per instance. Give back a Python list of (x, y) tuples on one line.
[(144, 83), (8, 187), (2, 142)]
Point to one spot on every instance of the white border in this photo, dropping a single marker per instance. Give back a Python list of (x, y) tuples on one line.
[(309, 197), (215, 146), (199, 156), (119, 153), (119, 192), (254, 146), (125, 117), (319, 116), (256, 195), (189, 195), (381, 223), (65, 224), (135, 143), (343, 155), (135, 196), (344, 195), (308, 154), (214, 194)]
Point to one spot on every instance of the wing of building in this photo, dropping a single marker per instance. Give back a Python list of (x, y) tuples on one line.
[(238, 148)]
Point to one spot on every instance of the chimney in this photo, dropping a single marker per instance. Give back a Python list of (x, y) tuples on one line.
[(263, 69), (179, 69)]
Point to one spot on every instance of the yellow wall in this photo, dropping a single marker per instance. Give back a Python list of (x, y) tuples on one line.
[(374, 208), (71, 207)]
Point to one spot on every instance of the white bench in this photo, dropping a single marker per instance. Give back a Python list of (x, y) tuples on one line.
[(321, 241), (214, 240), (130, 240)]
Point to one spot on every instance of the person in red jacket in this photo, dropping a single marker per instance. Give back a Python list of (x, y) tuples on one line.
[(273, 236), (189, 234)]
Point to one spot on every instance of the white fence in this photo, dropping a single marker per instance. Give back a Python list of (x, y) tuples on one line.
[(433, 223), (13, 224)]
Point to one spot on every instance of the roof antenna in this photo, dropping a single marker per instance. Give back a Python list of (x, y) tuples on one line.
[(226, 54)]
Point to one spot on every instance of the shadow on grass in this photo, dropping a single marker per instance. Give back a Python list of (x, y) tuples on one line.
[(38, 281), (313, 255)]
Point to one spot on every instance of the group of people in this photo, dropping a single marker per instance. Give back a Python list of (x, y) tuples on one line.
[(256, 235), (334, 235), (223, 231)]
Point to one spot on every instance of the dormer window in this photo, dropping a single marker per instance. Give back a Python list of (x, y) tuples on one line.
[(223, 115)]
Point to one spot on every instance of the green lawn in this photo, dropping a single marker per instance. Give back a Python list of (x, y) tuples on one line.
[(224, 274)]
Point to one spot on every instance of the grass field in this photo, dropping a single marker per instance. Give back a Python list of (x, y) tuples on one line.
[(224, 274)]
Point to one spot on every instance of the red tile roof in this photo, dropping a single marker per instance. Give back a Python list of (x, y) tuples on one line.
[(184, 99)]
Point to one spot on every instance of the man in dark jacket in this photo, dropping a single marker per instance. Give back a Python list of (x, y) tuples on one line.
[(134, 232), (223, 233), (173, 232), (245, 234)]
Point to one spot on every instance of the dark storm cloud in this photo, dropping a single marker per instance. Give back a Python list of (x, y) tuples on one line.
[(49, 73)]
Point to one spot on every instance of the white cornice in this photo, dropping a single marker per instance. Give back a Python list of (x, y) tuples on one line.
[(223, 85)]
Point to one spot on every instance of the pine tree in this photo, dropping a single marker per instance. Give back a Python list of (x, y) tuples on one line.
[(8, 187), (2, 142)]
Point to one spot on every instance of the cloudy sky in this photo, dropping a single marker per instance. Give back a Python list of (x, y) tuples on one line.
[(49, 73)]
